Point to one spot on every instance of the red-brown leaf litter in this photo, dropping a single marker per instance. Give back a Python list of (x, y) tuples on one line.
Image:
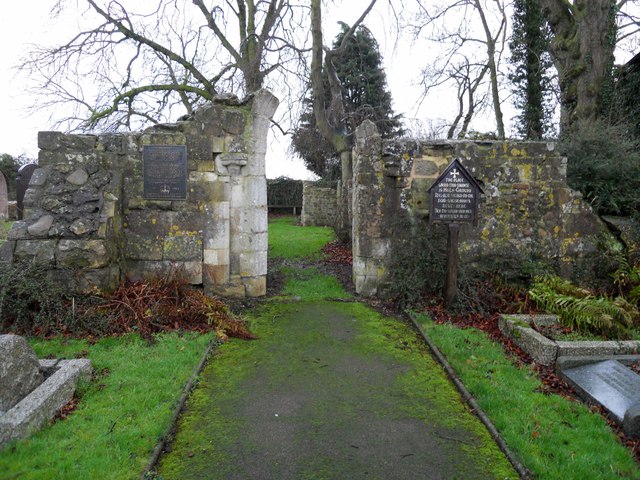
[(338, 252)]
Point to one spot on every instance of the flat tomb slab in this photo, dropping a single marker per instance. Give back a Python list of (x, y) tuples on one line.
[(612, 385)]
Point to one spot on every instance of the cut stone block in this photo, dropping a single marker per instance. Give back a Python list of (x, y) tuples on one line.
[(37, 408), (610, 347), (19, 370)]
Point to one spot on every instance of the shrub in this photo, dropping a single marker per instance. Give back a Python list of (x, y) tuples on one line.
[(581, 310), (31, 301), (284, 191), (418, 263), (627, 279), (604, 164)]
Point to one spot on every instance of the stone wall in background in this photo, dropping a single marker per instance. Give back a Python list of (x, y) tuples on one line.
[(319, 204), (528, 217), (86, 216)]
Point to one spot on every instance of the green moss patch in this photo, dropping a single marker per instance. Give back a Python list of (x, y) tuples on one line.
[(330, 390)]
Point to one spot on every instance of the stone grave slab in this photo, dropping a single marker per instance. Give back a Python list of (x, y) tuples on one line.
[(612, 385)]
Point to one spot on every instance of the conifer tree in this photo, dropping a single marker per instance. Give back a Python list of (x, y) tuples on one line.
[(364, 95), (530, 78)]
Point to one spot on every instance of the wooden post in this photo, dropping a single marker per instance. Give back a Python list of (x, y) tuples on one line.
[(450, 286)]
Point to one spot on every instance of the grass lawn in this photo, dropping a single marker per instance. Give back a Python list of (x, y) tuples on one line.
[(286, 240), (121, 413), (554, 437), (4, 230)]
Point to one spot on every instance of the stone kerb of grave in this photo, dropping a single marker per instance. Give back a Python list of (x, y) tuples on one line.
[(546, 351), (32, 391)]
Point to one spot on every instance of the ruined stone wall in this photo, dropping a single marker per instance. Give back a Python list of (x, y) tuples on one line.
[(527, 215), (319, 205), (86, 215)]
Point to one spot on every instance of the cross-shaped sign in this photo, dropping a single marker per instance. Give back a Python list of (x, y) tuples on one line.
[(455, 174)]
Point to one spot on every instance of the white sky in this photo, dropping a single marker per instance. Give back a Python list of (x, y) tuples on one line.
[(25, 23)]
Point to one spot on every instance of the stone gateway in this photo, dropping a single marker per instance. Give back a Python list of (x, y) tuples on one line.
[(95, 215)]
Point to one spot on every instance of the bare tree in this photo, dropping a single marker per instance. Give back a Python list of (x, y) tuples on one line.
[(329, 113), (467, 77), (135, 62), (466, 29)]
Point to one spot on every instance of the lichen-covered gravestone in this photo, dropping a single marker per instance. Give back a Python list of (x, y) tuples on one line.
[(19, 370), (4, 199)]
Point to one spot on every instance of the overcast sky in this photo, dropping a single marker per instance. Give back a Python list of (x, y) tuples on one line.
[(26, 23)]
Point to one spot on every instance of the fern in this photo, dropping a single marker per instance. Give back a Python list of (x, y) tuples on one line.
[(627, 279), (579, 309)]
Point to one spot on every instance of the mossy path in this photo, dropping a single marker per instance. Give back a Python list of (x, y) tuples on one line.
[(330, 390)]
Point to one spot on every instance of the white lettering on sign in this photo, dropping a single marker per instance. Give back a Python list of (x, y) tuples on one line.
[(454, 198)]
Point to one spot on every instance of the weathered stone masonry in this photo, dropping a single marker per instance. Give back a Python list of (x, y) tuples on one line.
[(86, 216), (528, 214), (319, 205)]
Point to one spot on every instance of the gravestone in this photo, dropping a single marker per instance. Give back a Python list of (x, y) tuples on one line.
[(22, 183), (4, 199), (612, 385), (19, 370)]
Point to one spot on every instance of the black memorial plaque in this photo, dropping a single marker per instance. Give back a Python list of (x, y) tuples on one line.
[(165, 172), (454, 196)]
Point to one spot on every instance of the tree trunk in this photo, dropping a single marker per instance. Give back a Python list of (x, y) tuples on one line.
[(582, 50), (491, 65)]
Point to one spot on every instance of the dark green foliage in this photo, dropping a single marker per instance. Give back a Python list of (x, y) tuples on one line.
[(581, 310), (31, 301), (531, 79), (626, 103), (284, 191), (317, 153), (9, 166), (627, 278), (604, 164), (418, 263), (365, 96)]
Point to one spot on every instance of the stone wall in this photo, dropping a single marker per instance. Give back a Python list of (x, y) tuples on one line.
[(85, 211), (527, 215), (319, 204)]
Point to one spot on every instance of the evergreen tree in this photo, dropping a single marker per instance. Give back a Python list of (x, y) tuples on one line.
[(364, 94), (531, 80)]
